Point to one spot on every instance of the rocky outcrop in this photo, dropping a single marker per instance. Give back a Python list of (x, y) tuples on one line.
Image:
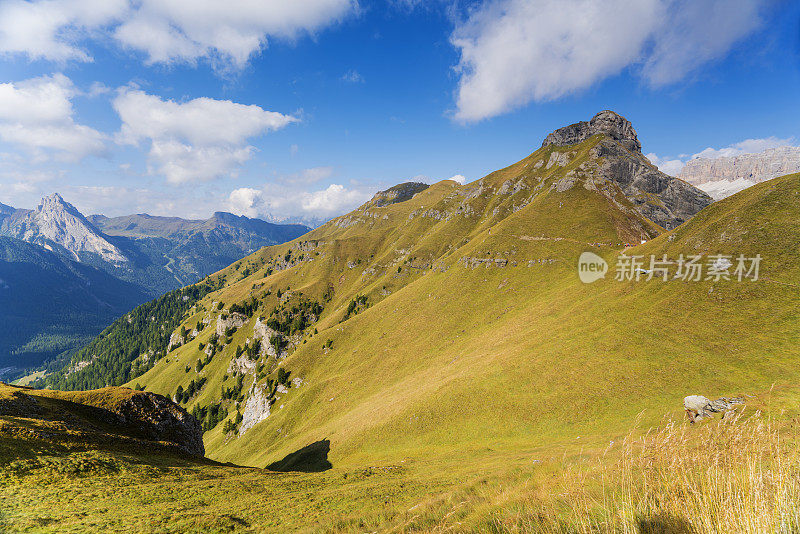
[(159, 419), (265, 334), (698, 407), (606, 122), (663, 199), (230, 320), (721, 177), (109, 416), (618, 159), (396, 194), (256, 409)]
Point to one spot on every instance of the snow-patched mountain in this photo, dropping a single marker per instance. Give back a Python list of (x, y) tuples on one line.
[(57, 223), (722, 177)]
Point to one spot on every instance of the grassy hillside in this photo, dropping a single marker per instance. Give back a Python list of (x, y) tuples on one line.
[(436, 364), (475, 333)]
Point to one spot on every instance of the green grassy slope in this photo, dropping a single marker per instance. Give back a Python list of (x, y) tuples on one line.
[(456, 353)]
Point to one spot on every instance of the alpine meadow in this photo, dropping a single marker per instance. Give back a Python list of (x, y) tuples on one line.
[(323, 338)]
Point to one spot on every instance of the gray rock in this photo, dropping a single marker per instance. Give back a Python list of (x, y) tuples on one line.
[(606, 122), (396, 194), (698, 407), (663, 199), (160, 419)]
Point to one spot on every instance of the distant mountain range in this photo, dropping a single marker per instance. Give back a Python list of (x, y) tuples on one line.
[(106, 266), (722, 177)]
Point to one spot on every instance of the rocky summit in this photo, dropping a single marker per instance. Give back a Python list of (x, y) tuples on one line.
[(661, 198), (57, 223)]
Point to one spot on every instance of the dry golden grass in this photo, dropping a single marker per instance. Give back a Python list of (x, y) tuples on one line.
[(739, 476)]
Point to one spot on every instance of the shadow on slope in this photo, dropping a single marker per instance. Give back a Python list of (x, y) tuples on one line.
[(310, 459)]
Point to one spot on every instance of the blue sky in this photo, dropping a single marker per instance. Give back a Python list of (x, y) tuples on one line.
[(301, 110)]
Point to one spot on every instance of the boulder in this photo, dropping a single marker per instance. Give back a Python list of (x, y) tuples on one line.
[(698, 407)]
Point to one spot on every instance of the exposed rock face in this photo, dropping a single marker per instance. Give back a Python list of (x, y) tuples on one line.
[(661, 198), (57, 222), (139, 416), (698, 407), (606, 122), (5, 211), (233, 320), (256, 409), (721, 177), (160, 419), (398, 193)]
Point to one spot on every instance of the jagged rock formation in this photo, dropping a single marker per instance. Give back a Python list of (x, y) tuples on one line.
[(661, 198), (57, 222), (5, 211), (398, 193), (256, 409), (233, 320), (721, 177)]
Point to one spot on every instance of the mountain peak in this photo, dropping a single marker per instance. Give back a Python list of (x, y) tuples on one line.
[(56, 202), (398, 193), (56, 221), (606, 122)]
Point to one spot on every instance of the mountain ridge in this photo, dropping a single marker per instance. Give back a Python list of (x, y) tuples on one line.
[(723, 176), (496, 253)]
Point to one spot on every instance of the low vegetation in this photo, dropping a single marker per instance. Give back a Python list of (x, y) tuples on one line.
[(740, 475), (130, 346)]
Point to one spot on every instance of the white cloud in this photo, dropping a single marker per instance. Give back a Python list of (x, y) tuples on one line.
[(695, 32), (334, 199), (164, 30), (459, 178), (281, 203), (246, 201), (517, 51), (198, 140), (37, 114), (52, 29), (668, 166), (748, 146), (308, 176)]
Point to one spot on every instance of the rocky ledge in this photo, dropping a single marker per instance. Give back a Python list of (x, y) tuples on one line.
[(159, 419), (618, 158)]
